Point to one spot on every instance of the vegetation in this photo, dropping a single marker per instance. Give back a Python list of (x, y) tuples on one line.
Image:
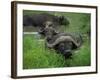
[(36, 55)]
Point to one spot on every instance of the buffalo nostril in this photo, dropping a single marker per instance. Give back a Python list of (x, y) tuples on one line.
[(67, 51), (67, 54)]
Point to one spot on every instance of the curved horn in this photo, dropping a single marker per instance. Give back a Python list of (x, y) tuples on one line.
[(61, 39)]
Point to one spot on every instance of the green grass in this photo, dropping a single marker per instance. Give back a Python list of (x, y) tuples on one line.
[(35, 55), (80, 57)]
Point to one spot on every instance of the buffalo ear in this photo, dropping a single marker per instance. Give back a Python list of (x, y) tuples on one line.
[(41, 31)]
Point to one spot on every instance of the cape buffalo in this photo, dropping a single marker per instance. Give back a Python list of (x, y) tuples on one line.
[(63, 43), (38, 20)]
